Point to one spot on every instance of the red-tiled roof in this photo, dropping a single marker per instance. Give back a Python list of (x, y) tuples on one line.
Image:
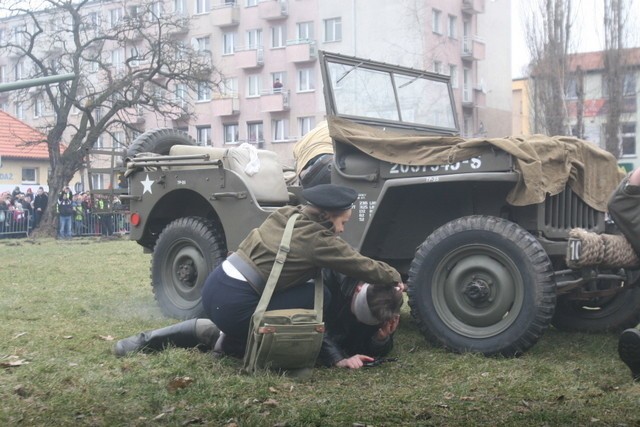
[(592, 61), (20, 141)]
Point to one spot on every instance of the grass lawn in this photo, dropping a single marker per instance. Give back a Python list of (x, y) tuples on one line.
[(63, 305)]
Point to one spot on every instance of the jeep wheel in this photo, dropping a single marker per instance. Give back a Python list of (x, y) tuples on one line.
[(482, 284), (158, 141), (187, 250), (602, 314)]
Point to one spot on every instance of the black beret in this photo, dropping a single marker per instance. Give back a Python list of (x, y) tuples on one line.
[(330, 197)]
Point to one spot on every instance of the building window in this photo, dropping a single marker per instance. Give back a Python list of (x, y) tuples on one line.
[(252, 3), (228, 43), (254, 132), (156, 10), (134, 57), (19, 110), (253, 85), (278, 36), (204, 91), (453, 75), (628, 139), (180, 7), (305, 79), (99, 142), (29, 175), (466, 85), (436, 27), (180, 95), (571, 88), (203, 135), (452, 27), (305, 124), (229, 87), (231, 133), (97, 181), (3, 73), (203, 6), (304, 31), (629, 85), (437, 67), (19, 71), (280, 130), (278, 81), (333, 30), (117, 60), (38, 107), (115, 15), (254, 39), (204, 44), (117, 139)]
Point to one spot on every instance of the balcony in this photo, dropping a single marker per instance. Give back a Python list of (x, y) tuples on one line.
[(473, 49), (473, 6), (273, 9), (274, 101), (226, 105), (225, 14), (249, 57), (299, 51)]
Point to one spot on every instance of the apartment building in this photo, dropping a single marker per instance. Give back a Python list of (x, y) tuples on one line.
[(267, 53)]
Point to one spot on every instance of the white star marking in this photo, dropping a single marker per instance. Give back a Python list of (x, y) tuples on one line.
[(147, 183)]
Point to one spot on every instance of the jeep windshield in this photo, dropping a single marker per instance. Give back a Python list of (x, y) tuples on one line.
[(385, 95)]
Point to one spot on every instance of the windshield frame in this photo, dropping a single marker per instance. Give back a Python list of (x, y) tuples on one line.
[(412, 74)]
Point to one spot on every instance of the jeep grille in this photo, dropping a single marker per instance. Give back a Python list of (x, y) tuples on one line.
[(566, 210)]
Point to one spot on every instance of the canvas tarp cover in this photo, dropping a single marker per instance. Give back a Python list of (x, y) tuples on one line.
[(545, 164)]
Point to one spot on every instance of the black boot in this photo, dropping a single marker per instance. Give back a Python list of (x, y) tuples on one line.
[(629, 351), (187, 334), (229, 346)]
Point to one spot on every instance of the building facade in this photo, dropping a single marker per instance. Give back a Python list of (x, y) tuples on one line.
[(270, 93), (587, 70)]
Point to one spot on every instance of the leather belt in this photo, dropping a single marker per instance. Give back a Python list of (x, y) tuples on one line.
[(252, 275)]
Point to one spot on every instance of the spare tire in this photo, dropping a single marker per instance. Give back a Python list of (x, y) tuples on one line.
[(158, 141)]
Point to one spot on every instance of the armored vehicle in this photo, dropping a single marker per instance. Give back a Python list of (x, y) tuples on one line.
[(478, 227)]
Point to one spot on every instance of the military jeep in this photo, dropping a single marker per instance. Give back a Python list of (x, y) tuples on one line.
[(481, 244)]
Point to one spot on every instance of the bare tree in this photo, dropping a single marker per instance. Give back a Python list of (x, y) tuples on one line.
[(615, 71), (124, 64), (548, 30)]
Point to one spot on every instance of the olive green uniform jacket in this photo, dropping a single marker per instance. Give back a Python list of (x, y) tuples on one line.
[(313, 246)]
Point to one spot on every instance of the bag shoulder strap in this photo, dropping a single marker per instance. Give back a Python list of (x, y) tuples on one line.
[(269, 288)]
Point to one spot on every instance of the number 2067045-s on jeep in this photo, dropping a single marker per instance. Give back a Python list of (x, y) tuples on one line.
[(478, 226)]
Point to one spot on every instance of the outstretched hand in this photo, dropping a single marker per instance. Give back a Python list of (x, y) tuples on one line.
[(354, 362)]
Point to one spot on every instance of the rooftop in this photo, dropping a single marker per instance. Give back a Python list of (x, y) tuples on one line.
[(20, 141), (594, 61)]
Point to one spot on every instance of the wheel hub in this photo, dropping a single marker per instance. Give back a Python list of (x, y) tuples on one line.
[(186, 271), (477, 290)]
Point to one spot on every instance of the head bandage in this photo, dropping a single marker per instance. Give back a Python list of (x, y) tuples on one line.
[(361, 308)]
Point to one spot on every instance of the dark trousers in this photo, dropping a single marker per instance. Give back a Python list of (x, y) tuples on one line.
[(230, 303)]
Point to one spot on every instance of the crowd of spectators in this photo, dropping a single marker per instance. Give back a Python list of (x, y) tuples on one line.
[(77, 214)]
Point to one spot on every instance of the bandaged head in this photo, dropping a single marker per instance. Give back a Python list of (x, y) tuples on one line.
[(361, 308)]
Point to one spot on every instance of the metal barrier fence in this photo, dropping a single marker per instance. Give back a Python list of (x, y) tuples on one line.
[(20, 224), (15, 223)]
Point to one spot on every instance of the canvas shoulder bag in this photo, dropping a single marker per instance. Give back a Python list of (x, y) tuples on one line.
[(284, 340)]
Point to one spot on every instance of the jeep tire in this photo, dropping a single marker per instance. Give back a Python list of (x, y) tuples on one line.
[(158, 141), (482, 284), (187, 250), (602, 314)]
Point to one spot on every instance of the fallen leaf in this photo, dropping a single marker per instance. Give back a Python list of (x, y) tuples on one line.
[(442, 405), (19, 335), (280, 424), (106, 337), (13, 363), (448, 395), (192, 421), (273, 390), (484, 374), (270, 402), (231, 424), (525, 403), (179, 382), (73, 364), (67, 337), (159, 416), (595, 420), (467, 398)]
